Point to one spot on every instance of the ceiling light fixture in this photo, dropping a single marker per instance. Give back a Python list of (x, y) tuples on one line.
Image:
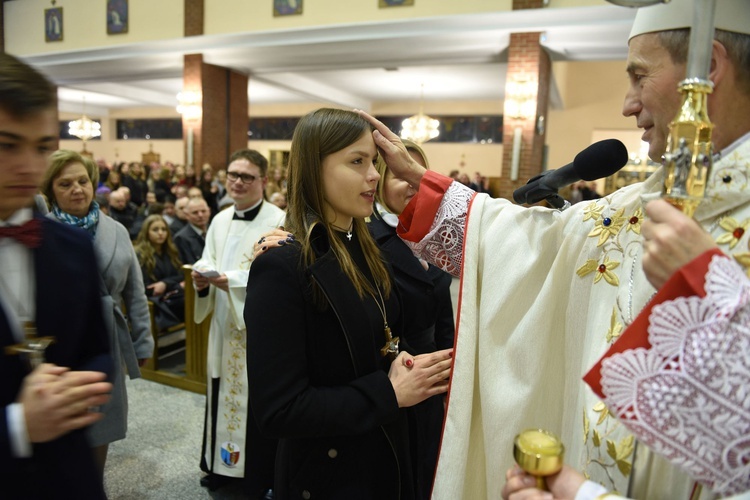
[(189, 104), (420, 127), (84, 128)]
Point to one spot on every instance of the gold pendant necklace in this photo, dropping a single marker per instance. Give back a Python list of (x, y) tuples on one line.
[(390, 348)]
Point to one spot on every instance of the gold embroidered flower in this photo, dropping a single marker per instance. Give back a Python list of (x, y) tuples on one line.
[(634, 222), (608, 226), (603, 270), (615, 327), (620, 452), (596, 438), (592, 211), (734, 231), (602, 410)]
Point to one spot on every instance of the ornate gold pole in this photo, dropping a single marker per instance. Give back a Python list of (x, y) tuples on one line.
[(689, 155)]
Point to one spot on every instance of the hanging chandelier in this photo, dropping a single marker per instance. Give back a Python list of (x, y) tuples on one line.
[(420, 127), (84, 128), (189, 104)]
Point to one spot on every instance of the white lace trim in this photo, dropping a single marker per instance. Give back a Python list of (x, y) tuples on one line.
[(688, 397), (443, 245)]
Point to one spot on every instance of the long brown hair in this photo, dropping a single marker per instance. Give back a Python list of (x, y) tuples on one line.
[(146, 250), (317, 135)]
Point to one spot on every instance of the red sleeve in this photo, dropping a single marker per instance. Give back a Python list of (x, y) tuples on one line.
[(689, 280), (416, 219)]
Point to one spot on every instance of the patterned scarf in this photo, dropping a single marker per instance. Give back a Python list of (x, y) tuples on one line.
[(89, 222)]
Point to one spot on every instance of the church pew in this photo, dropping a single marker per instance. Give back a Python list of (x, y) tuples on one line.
[(196, 347)]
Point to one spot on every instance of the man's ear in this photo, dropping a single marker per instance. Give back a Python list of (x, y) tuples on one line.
[(720, 63)]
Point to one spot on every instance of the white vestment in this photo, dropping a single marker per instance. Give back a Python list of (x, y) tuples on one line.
[(229, 250), (543, 295)]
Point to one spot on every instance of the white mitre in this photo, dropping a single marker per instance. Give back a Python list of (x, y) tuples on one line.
[(730, 15)]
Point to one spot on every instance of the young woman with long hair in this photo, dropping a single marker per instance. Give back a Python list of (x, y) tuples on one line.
[(325, 373), (162, 271)]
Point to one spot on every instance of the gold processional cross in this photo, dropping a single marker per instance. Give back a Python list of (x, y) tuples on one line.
[(32, 347)]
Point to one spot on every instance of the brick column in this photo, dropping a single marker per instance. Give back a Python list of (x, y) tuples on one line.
[(222, 127), (194, 10), (527, 62)]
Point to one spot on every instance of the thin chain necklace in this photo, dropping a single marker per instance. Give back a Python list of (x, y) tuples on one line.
[(347, 231), (390, 348)]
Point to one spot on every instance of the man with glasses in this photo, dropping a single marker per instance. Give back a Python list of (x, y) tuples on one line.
[(232, 445)]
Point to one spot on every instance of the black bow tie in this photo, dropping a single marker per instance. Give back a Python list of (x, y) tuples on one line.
[(247, 216)]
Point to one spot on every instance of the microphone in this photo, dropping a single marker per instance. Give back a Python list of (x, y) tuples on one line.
[(599, 160)]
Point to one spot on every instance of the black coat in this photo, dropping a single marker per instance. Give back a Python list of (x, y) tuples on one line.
[(170, 307), (425, 294), (138, 189), (319, 384), (190, 244), (68, 307), (428, 326)]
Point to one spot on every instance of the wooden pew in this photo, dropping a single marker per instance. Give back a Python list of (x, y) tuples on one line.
[(196, 347)]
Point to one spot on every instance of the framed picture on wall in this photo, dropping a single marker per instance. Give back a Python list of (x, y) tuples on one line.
[(53, 24), (394, 3), (117, 17), (286, 7)]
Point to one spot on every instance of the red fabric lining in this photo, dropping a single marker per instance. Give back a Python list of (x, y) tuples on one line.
[(416, 219)]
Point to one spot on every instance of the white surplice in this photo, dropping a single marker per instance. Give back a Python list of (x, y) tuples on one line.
[(229, 250)]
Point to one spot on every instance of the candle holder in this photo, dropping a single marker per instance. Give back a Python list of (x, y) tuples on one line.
[(539, 453)]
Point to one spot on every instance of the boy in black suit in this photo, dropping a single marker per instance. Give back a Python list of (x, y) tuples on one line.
[(47, 280)]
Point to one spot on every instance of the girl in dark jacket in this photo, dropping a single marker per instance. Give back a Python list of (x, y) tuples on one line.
[(325, 373), (162, 274)]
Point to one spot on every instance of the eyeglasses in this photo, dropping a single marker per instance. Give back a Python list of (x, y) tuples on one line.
[(246, 178)]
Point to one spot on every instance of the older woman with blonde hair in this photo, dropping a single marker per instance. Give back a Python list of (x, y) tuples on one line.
[(69, 188)]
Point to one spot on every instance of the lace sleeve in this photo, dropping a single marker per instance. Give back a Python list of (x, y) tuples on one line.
[(443, 244), (688, 396)]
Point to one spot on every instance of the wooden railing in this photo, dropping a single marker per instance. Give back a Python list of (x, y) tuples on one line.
[(196, 347)]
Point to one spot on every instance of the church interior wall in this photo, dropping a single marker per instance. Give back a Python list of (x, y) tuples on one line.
[(592, 92)]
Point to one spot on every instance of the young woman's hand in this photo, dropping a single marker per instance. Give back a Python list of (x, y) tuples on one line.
[(157, 288), (416, 378), (272, 239)]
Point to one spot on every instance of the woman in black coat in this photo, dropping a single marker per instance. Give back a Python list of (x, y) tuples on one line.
[(427, 312), (323, 376)]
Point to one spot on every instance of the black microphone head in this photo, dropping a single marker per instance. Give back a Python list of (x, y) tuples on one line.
[(600, 160)]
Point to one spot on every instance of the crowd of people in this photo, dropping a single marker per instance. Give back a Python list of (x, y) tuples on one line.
[(335, 368)]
